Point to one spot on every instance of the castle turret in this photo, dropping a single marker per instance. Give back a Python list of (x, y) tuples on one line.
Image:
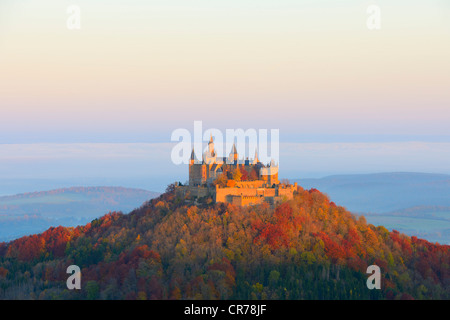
[(255, 159), (209, 157), (233, 158), (192, 159), (211, 150)]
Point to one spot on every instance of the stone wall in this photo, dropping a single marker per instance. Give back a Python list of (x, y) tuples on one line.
[(251, 193), (243, 194), (194, 191)]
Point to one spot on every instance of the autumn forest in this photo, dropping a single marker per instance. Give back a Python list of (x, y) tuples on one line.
[(305, 248)]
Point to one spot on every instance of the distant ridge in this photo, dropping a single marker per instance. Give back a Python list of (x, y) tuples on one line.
[(33, 212), (375, 192), (79, 189), (412, 202)]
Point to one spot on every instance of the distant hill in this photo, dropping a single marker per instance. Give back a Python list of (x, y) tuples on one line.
[(305, 248), (35, 212), (414, 203)]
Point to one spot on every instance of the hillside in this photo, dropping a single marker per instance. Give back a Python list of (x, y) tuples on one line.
[(306, 248), (414, 203), (30, 213)]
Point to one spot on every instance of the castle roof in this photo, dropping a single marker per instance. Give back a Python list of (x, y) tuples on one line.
[(234, 150)]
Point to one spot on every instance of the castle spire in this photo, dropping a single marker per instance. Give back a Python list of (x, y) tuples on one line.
[(234, 151), (211, 151)]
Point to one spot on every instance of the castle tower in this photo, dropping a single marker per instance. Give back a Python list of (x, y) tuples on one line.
[(211, 146), (192, 159), (233, 158), (209, 157), (191, 168), (255, 159)]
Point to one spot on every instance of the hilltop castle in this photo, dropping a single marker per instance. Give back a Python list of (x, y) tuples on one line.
[(231, 180)]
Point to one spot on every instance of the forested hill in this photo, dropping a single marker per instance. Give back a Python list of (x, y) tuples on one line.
[(307, 248)]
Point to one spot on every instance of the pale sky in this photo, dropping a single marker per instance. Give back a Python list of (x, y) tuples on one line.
[(137, 70)]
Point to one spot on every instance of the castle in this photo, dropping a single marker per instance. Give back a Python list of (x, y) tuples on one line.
[(230, 180)]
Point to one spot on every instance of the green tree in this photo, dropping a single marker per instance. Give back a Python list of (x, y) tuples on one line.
[(92, 290)]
